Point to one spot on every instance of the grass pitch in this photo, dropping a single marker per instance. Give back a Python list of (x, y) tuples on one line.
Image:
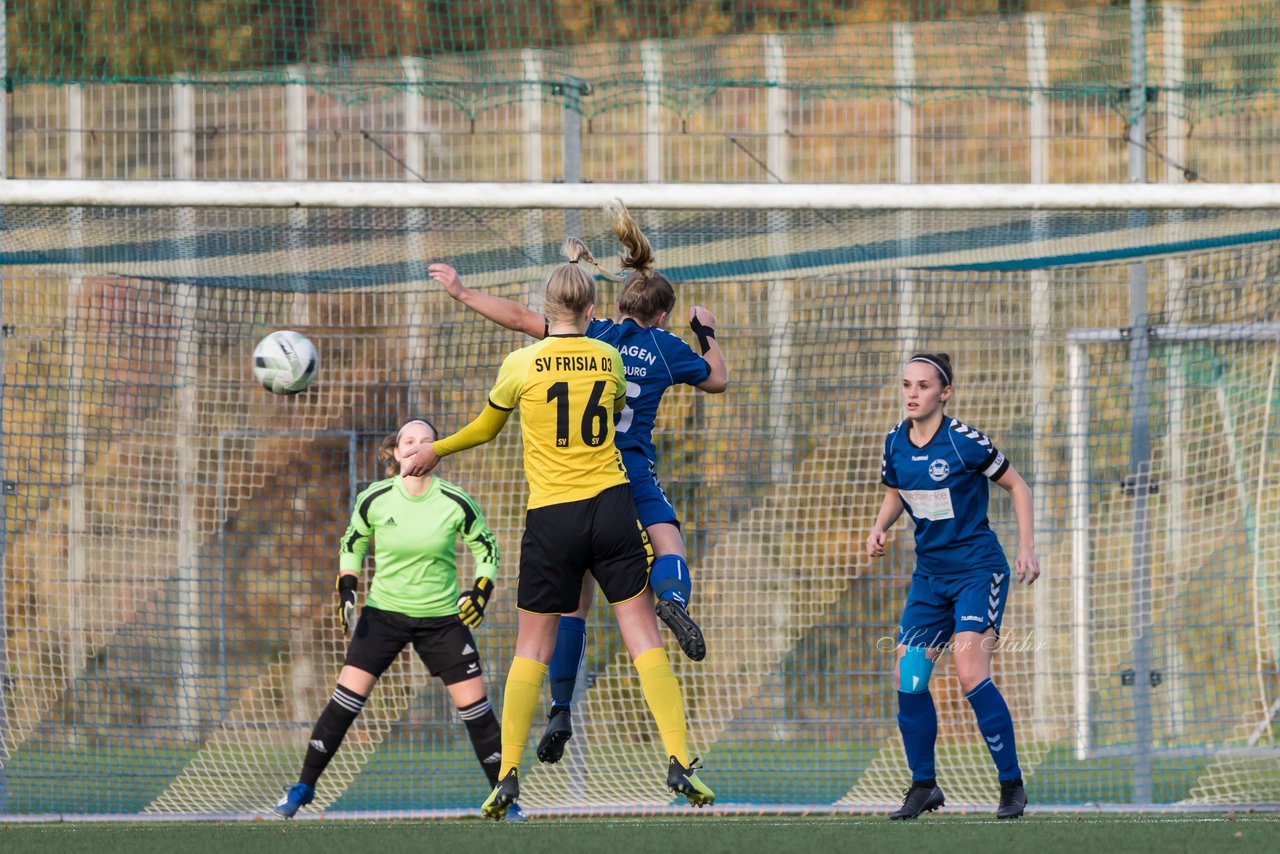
[(696, 834)]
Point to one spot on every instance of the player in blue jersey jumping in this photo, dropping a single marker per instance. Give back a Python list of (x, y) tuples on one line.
[(937, 468), (654, 360)]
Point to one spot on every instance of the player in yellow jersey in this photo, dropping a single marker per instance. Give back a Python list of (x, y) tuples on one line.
[(580, 519)]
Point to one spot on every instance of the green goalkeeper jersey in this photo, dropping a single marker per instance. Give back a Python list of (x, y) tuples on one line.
[(414, 545)]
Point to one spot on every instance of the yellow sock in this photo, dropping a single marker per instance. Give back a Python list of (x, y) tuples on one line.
[(662, 693), (524, 686)]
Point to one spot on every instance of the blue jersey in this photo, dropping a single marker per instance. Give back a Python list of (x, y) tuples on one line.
[(944, 486), (653, 360)]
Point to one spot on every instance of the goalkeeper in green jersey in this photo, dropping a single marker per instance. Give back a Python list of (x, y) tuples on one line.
[(414, 523)]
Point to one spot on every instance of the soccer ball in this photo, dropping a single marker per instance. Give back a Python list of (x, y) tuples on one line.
[(285, 362)]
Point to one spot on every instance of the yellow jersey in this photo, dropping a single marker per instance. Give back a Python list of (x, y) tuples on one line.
[(568, 388)]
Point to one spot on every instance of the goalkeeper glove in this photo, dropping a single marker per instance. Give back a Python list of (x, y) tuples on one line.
[(347, 601), (471, 604)]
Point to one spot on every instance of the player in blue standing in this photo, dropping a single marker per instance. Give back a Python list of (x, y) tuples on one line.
[(937, 468), (654, 360)]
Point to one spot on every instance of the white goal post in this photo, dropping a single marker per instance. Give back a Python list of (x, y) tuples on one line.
[(509, 196), (1078, 342)]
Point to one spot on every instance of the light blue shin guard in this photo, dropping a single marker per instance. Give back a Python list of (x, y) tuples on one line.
[(914, 670)]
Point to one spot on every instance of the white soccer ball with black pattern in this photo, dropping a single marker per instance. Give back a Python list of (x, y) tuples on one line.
[(285, 362)]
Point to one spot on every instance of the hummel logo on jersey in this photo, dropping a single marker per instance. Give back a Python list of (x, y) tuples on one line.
[(467, 649), (318, 745), (970, 618), (993, 599), (920, 458), (390, 523), (965, 430)]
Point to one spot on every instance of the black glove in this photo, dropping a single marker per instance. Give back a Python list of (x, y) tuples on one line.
[(347, 601), (705, 333), (471, 604)]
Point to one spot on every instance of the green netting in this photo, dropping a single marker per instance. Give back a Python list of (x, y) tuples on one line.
[(478, 53)]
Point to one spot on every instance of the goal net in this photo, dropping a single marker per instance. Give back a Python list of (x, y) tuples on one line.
[(171, 529)]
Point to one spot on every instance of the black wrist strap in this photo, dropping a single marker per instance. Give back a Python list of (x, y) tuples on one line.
[(704, 333), (347, 583)]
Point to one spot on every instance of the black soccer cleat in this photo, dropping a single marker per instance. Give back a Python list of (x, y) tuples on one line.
[(687, 633), (684, 781), (503, 797), (559, 730), (923, 796), (1013, 799)]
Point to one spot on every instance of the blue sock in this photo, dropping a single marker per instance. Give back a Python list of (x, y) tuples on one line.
[(996, 725), (918, 723), (669, 578), (571, 641)]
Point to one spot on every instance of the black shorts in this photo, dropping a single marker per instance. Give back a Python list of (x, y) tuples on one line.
[(444, 644), (562, 541)]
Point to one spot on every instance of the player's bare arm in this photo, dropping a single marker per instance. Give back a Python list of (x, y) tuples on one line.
[(890, 510), (1026, 565), (500, 310), (718, 380)]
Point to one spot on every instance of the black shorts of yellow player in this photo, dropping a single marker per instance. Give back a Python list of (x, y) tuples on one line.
[(445, 644), (561, 542)]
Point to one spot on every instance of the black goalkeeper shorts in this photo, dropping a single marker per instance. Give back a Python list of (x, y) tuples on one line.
[(445, 644)]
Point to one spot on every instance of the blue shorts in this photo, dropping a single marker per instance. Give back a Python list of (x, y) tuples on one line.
[(651, 502), (938, 606)]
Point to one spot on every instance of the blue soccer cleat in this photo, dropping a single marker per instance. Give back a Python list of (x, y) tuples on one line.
[(295, 797), (514, 813)]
